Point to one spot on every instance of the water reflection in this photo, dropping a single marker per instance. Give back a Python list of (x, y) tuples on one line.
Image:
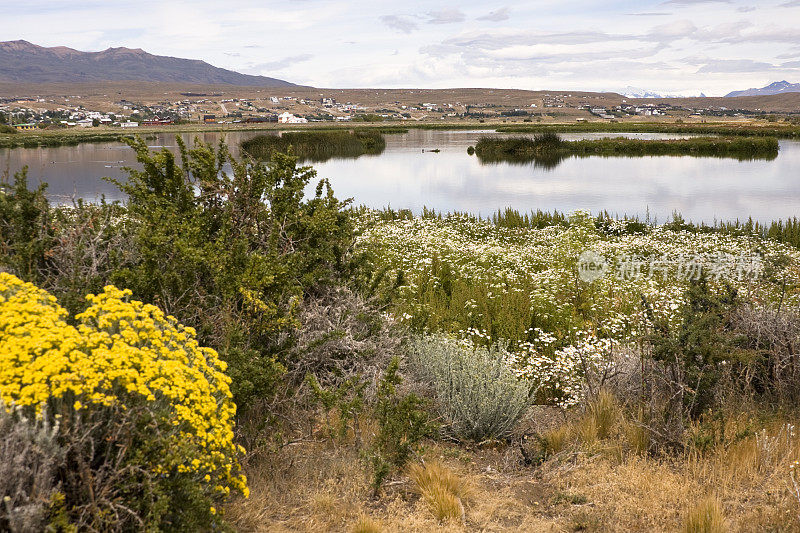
[(404, 176)]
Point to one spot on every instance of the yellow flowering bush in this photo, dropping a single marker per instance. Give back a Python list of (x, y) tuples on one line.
[(123, 354)]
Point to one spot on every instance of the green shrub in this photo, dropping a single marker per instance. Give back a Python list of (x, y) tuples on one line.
[(699, 346), (402, 424), (477, 393), (144, 437), (25, 230), (233, 254)]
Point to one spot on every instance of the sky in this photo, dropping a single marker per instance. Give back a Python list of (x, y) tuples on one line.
[(680, 47)]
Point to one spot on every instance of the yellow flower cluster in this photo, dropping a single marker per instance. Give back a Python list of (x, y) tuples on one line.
[(124, 353)]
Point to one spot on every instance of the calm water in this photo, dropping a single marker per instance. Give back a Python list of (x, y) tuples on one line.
[(406, 177)]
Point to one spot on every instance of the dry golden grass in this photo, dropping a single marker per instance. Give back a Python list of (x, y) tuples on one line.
[(441, 488), (556, 440), (365, 524), (637, 436), (605, 413), (613, 484), (705, 517)]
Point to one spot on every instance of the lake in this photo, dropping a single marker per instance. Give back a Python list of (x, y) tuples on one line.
[(407, 175)]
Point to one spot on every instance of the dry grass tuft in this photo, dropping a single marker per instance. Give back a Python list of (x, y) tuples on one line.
[(705, 517), (637, 437), (441, 488), (323, 486), (605, 413), (555, 440), (586, 430), (366, 524)]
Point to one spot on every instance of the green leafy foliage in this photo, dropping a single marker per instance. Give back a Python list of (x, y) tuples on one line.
[(402, 424), (700, 345), (341, 403), (25, 230), (233, 254)]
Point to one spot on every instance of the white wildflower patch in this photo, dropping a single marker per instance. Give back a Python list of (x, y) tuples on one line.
[(575, 326)]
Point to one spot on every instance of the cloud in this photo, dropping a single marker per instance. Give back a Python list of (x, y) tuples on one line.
[(695, 2), (445, 16), (735, 65), (281, 64), (496, 15), (400, 23), (672, 31), (660, 44)]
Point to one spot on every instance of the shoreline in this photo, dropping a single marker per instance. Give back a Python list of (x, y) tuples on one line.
[(47, 138)]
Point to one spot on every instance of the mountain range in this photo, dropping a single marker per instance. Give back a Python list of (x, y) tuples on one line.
[(24, 62), (637, 92), (777, 87)]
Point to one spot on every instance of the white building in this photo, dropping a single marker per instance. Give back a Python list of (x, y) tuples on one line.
[(129, 124), (288, 118), (85, 123)]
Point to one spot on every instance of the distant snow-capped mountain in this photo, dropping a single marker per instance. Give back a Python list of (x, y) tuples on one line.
[(776, 87), (638, 92)]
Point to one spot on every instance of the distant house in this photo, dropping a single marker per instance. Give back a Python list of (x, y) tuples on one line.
[(288, 118), (129, 125), (257, 120), (155, 121), (209, 119), (24, 127), (85, 123)]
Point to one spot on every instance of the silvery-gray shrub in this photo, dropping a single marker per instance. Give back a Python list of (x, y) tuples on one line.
[(29, 457), (477, 394)]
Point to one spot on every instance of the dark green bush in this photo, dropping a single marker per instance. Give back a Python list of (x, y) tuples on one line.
[(233, 255), (700, 346), (25, 228), (402, 424)]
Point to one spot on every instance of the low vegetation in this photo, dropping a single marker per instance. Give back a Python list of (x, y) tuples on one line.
[(478, 395), (548, 149), (317, 145), (388, 371), (131, 397), (44, 139), (747, 129)]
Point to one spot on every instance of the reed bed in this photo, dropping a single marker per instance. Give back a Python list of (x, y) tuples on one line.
[(317, 145), (549, 149)]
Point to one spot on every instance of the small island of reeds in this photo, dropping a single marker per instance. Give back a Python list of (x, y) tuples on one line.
[(317, 145), (549, 148), (48, 139)]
